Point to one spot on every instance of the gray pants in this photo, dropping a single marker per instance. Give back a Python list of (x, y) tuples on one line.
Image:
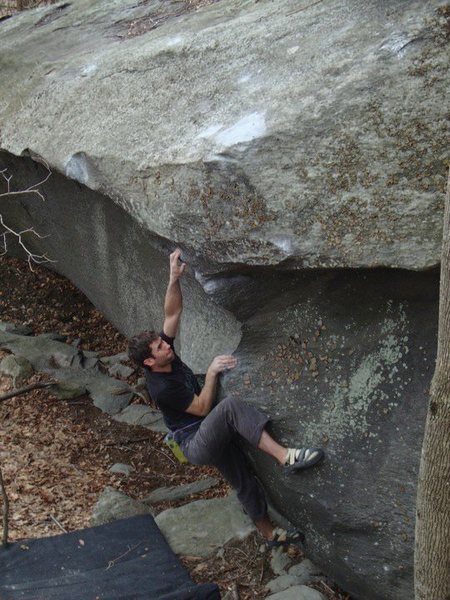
[(215, 443)]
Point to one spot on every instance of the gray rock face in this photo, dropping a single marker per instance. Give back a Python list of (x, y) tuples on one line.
[(201, 527), (270, 170), (344, 361), (317, 152)]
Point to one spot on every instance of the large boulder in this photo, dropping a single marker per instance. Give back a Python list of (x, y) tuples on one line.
[(288, 148)]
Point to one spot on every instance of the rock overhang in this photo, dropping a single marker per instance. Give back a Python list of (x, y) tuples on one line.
[(294, 137)]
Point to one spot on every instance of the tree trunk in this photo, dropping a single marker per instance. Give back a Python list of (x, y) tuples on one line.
[(432, 546)]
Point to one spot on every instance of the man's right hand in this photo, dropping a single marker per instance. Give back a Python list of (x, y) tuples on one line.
[(222, 363), (176, 266)]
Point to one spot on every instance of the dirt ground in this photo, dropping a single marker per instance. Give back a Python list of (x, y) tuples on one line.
[(55, 455)]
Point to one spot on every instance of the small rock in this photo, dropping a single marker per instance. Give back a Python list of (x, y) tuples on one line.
[(65, 390), (119, 370), (122, 469), (279, 561), (17, 367), (113, 505), (122, 357), (15, 328), (304, 571), (62, 360), (298, 592), (281, 583)]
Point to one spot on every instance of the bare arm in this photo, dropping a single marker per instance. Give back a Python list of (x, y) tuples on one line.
[(173, 303), (201, 404)]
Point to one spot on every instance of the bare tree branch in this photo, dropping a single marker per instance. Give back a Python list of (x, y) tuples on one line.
[(5, 510), (6, 230), (25, 389)]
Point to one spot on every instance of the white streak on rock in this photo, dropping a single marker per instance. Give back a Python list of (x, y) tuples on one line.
[(248, 128), (174, 41), (89, 70), (284, 243), (210, 131)]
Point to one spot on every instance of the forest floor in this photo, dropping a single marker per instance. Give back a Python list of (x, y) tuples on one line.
[(55, 455)]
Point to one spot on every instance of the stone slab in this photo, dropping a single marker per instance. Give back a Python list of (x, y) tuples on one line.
[(179, 492), (206, 525), (144, 416)]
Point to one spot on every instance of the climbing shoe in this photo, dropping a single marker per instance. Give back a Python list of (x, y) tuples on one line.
[(284, 538), (302, 458)]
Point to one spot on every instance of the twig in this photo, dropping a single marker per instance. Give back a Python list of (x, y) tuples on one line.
[(263, 567), (113, 562), (235, 591), (326, 587), (24, 390), (55, 520), (135, 441), (5, 511), (166, 455)]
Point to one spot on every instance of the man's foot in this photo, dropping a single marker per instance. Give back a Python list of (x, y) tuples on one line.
[(298, 459), (282, 538)]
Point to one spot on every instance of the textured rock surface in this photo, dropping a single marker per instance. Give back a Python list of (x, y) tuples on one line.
[(113, 505), (209, 524), (328, 151)]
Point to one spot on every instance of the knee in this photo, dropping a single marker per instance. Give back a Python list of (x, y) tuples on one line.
[(228, 403)]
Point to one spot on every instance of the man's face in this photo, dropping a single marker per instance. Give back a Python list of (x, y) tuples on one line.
[(162, 353)]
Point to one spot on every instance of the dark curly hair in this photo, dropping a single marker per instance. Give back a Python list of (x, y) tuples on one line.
[(139, 346)]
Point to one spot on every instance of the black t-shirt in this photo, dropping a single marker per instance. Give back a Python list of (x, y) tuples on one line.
[(173, 392)]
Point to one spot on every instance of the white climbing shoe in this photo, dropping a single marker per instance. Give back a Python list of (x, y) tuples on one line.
[(302, 458)]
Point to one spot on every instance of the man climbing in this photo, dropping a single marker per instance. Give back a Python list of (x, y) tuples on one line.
[(209, 434)]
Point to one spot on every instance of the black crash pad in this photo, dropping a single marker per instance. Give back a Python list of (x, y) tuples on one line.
[(123, 560)]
